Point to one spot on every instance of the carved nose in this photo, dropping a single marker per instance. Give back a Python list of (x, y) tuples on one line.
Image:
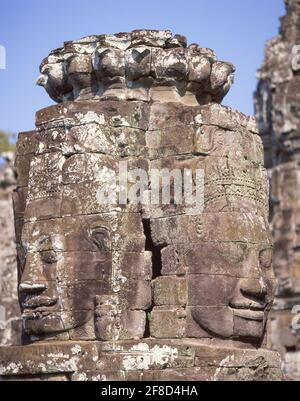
[(30, 288), (253, 288)]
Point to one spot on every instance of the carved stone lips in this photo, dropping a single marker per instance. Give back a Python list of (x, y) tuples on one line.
[(40, 313), (249, 314), (250, 311), (39, 307), (39, 302)]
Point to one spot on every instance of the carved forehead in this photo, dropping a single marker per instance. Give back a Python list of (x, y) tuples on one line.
[(212, 227), (232, 259), (84, 233)]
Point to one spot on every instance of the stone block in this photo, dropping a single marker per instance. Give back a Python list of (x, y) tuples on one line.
[(174, 322), (170, 291)]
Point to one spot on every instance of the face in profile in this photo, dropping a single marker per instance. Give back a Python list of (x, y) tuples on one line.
[(67, 264)]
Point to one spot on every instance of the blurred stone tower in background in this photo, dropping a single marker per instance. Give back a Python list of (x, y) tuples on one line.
[(278, 110), (9, 306)]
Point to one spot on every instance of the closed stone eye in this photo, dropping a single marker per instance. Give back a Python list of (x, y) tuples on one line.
[(234, 253)]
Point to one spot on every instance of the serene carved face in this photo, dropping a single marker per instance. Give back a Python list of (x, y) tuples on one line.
[(68, 263), (227, 259), (234, 298), (231, 286)]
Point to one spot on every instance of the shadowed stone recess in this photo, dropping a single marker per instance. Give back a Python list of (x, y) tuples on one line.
[(141, 291), (277, 108)]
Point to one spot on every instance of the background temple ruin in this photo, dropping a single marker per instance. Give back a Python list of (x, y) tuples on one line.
[(10, 332), (277, 103)]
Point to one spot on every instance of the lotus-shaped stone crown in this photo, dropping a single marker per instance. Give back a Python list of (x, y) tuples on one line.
[(141, 65)]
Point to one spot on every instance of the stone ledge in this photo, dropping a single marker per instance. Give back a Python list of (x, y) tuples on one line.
[(137, 360)]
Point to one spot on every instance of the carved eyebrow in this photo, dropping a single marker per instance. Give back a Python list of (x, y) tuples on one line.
[(98, 230), (266, 248)]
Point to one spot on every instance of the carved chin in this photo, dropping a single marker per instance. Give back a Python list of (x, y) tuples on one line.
[(249, 329), (55, 322), (224, 322), (215, 320)]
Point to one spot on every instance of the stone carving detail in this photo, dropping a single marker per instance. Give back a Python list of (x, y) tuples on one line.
[(277, 103), (141, 280), (141, 65)]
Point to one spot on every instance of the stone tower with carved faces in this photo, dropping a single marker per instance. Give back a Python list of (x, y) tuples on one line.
[(150, 287), (277, 108)]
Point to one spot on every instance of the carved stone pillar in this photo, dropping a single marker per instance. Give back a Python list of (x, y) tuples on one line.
[(123, 284)]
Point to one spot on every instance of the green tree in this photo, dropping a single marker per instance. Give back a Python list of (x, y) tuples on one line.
[(5, 143)]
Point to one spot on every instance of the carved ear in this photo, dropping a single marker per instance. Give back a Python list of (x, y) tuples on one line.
[(266, 258), (101, 238)]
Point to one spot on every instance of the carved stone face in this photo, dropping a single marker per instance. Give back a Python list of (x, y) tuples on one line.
[(77, 267), (234, 298), (68, 263), (227, 258), (67, 271), (231, 284)]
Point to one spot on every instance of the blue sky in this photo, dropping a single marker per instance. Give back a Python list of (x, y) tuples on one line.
[(29, 29)]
